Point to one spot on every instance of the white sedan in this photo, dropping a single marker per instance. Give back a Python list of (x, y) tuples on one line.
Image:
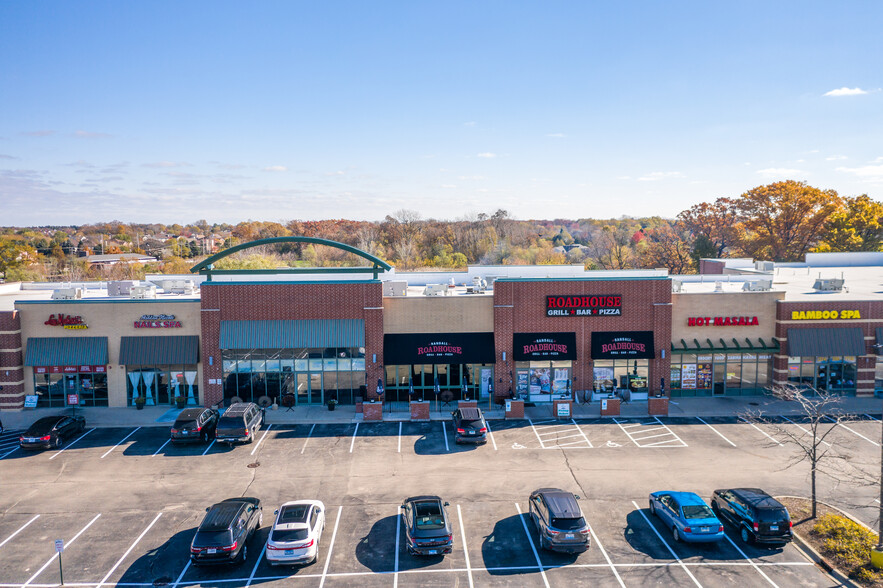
[(294, 538)]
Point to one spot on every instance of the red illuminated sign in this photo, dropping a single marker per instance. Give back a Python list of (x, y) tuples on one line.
[(607, 304), (722, 321), (67, 321)]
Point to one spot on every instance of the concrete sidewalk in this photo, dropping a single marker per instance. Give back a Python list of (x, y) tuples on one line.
[(164, 416)]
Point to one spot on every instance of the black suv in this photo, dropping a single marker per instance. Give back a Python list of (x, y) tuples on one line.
[(469, 425), (223, 533), (427, 526), (194, 424), (559, 520), (240, 422), (759, 517)]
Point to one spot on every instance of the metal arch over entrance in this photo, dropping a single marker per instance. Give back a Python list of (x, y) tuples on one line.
[(206, 267)]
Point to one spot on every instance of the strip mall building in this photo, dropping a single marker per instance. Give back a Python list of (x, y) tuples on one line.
[(538, 332)]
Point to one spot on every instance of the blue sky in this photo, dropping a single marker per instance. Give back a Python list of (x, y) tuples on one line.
[(229, 111)]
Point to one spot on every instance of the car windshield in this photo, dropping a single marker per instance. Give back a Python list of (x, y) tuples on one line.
[(428, 515), (697, 511), (569, 524), (231, 421), (283, 535), (772, 515)]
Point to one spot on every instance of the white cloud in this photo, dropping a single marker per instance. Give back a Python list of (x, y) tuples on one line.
[(487, 155), (275, 168), (844, 91), (556, 135), (91, 135), (654, 176), (865, 171), (162, 164), (448, 186), (779, 171), (836, 158), (470, 177)]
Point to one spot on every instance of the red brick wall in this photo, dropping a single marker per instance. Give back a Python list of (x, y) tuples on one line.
[(711, 266), (289, 301), (871, 318), (11, 371), (520, 307)]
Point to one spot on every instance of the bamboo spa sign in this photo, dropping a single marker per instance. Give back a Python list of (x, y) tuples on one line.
[(157, 321), (604, 305)]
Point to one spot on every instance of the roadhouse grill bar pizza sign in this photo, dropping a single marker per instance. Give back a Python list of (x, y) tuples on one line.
[(603, 305)]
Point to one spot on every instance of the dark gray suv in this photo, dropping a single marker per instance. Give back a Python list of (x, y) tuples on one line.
[(427, 526), (239, 423), (559, 520), (759, 517), (222, 536)]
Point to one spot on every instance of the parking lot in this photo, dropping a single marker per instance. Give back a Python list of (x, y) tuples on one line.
[(127, 504)]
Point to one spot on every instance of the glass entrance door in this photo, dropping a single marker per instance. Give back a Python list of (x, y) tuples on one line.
[(316, 388), (720, 378), (303, 389)]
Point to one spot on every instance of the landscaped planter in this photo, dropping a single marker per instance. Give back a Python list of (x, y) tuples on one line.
[(657, 406), (373, 411), (419, 410), (612, 408)]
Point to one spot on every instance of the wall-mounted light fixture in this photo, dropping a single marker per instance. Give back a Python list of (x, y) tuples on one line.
[(211, 360), (373, 358), (663, 354), (504, 356)]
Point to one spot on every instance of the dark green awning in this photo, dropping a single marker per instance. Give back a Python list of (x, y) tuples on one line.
[(289, 333), (825, 342), (160, 350), (58, 351), (720, 344)]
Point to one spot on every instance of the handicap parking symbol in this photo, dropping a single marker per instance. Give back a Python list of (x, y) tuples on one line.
[(517, 446), (613, 444)]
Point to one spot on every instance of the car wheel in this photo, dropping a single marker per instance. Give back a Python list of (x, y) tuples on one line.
[(57, 443), (675, 535), (652, 508), (250, 437), (203, 436), (746, 536), (243, 555), (260, 520)]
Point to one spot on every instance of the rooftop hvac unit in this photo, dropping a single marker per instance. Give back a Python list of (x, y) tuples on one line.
[(181, 287), (676, 285), (142, 292), (121, 287), (764, 266), (436, 290), (828, 285), (479, 284), (395, 288), (67, 294), (757, 286), (718, 286)]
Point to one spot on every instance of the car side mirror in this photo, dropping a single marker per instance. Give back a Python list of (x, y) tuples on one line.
[(207, 509), (577, 496), (275, 512), (401, 507), (447, 504)]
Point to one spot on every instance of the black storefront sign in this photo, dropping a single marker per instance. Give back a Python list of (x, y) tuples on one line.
[(417, 348), (623, 345), (600, 305), (539, 346)]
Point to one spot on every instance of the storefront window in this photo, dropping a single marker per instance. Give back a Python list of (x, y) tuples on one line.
[(835, 374), (878, 375), (451, 380), (160, 385)]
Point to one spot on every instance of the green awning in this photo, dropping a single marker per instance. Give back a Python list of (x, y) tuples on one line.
[(825, 342), (733, 344), (286, 334), (160, 350), (59, 351)]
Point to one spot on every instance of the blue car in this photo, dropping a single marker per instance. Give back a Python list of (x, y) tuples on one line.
[(687, 515)]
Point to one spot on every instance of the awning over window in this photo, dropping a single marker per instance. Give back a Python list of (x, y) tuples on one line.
[(879, 344), (289, 333), (825, 342), (56, 351), (408, 349), (544, 346), (761, 346), (623, 345), (160, 350)]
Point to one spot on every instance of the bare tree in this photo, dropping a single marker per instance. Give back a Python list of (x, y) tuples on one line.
[(808, 437)]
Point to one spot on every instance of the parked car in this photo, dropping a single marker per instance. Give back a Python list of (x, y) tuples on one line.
[(469, 425), (296, 532), (559, 520), (223, 535), (759, 517), (427, 526), (239, 423), (194, 424), (51, 432), (687, 515)]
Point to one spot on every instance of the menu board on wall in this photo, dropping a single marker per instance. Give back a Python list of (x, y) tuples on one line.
[(521, 383), (703, 376), (688, 376)]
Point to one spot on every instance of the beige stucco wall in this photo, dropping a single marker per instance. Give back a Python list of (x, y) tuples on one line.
[(438, 314), (106, 318), (721, 304)]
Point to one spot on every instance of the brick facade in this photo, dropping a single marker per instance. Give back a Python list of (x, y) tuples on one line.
[(12, 391), (288, 301)]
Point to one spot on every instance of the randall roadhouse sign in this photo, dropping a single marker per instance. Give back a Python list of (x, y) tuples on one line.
[(607, 304), (157, 321)]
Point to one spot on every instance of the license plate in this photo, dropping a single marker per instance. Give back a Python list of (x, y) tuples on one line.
[(289, 552), (471, 432), (568, 535), (774, 527), (211, 550), (185, 432), (704, 529), (30, 439), (432, 551)]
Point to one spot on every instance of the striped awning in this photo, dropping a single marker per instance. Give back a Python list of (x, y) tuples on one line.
[(59, 351), (285, 334), (825, 342), (160, 350)]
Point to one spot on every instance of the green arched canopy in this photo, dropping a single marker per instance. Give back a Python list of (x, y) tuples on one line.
[(206, 266)]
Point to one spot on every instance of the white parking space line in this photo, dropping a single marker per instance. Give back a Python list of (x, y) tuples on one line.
[(106, 453), (667, 546), (184, 571), (8, 453), (395, 577), (267, 430), (540, 439), (128, 551), (445, 434), (853, 431), (209, 446), (606, 557), (749, 560), (161, 446), (66, 545), (400, 437), (638, 436), (803, 429), (256, 564), (872, 418), (353, 442), (532, 546), (331, 546), (716, 431), (465, 551), (761, 430), (22, 528), (491, 434), (307, 440), (69, 445)]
